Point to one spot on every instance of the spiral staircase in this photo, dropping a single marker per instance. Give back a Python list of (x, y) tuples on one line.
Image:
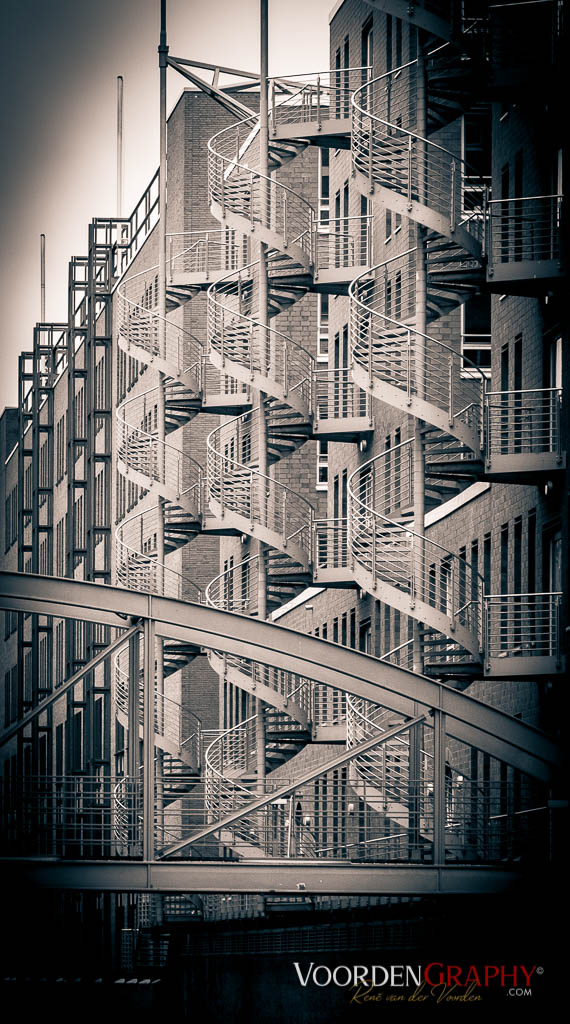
[(397, 356)]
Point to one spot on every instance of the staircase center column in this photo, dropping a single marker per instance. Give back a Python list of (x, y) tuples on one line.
[(265, 200), (416, 733)]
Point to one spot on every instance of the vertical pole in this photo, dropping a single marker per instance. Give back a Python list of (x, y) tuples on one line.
[(42, 279), (439, 783), (133, 697), (157, 686), (133, 761), (264, 342), (119, 145), (418, 567), (148, 736)]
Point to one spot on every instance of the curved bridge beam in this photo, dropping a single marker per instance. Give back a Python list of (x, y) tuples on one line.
[(467, 719)]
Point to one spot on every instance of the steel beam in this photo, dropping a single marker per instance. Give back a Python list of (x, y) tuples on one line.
[(468, 720), (232, 105), (268, 877)]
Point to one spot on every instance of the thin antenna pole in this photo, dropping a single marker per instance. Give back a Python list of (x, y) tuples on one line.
[(42, 279), (119, 145)]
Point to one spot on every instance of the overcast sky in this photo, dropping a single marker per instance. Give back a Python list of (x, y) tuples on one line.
[(59, 64)]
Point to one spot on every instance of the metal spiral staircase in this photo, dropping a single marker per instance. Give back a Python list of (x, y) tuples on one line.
[(398, 357)]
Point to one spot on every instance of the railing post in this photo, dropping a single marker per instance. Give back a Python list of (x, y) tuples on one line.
[(319, 124), (556, 397), (452, 199), (148, 736), (285, 230), (438, 787), (207, 260), (485, 216), (252, 352), (370, 367), (370, 160), (285, 369), (450, 363), (251, 212), (485, 617), (409, 368), (273, 107), (482, 415), (223, 191), (284, 515), (409, 172), (251, 498), (453, 602), (374, 554)]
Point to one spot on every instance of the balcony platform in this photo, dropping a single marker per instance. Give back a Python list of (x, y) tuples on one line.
[(515, 666)]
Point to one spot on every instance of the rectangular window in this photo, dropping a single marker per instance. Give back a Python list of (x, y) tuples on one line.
[(323, 329), (505, 558), (366, 48), (531, 552), (322, 465), (398, 26), (476, 335), (60, 441), (487, 562), (388, 42), (324, 188)]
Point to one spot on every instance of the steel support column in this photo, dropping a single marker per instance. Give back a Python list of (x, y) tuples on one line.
[(416, 736), (148, 736)]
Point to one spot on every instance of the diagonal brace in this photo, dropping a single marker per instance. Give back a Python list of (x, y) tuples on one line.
[(75, 678), (290, 787), (229, 102)]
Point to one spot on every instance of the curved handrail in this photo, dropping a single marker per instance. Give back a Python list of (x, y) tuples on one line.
[(135, 565), (393, 355), (244, 341), (391, 553), (256, 198), (157, 460), (405, 162), (238, 487)]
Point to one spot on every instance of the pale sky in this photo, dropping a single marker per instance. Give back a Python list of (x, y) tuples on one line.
[(58, 67)]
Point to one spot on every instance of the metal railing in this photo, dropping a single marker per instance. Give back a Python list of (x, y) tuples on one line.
[(337, 817), (388, 151), (331, 543), (343, 242), (314, 97), (157, 461), (523, 625), (238, 187), (336, 396), (523, 422), (137, 563), (140, 325), (523, 229), (391, 553), (206, 252), (238, 488), (388, 350), (236, 336)]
